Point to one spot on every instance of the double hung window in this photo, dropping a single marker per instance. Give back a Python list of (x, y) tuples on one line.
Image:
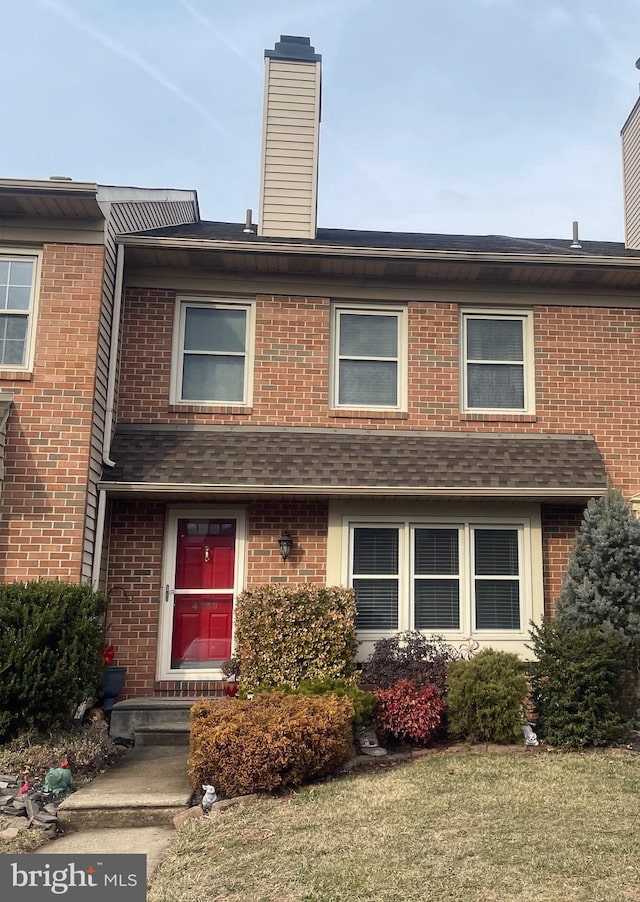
[(212, 352), (497, 362), (368, 363), (17, 306), (449, 578)]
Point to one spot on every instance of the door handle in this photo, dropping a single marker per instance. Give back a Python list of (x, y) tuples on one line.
[(167, 593)]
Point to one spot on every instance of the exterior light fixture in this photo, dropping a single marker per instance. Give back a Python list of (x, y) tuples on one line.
[(285, 543)]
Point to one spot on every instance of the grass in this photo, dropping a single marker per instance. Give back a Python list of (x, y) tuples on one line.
[(543, 826)]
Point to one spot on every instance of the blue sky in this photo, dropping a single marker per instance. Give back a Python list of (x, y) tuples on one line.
[(478, 117)]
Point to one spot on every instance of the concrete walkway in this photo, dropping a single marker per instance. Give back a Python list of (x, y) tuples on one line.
[(129, 808)]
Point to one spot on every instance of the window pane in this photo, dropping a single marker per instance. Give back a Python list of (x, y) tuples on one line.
[(436, 551), (437, 604), (13, 333), (497, 604), (377, 604), (21, 272), (213, 378), (364, 382), (214, 329), (18, 298), (495, 385), (494, 339), (366, 335), (496, 552), (4, 275), (375, 551)]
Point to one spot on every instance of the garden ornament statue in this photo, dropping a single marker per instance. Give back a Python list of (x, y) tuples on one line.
[(209, 796), (368, 744)]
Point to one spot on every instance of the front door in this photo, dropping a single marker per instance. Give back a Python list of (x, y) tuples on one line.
[(201, 571)]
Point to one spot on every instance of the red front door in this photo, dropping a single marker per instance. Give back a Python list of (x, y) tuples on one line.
[(204, 586)]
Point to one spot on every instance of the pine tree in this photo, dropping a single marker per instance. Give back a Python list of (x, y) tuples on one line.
[(602, 581)]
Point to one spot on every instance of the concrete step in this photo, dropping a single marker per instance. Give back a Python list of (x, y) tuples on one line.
[(133, 714), (146, 788), (166, 734)]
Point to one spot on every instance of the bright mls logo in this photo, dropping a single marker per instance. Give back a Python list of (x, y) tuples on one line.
[(77, 878)]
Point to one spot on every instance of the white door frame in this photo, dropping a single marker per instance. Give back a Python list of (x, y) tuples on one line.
[(167, 594)]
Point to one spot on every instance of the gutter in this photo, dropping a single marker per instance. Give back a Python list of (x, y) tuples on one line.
[(331, 250)]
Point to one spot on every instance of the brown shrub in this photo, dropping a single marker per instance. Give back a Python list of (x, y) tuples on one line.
[(273, 741)]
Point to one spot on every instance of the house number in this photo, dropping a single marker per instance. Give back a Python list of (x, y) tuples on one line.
[(205, 606)]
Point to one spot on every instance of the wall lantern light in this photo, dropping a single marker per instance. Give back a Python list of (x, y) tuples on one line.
[(285, 543)]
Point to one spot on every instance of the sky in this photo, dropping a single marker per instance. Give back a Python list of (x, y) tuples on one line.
[(467, 117)]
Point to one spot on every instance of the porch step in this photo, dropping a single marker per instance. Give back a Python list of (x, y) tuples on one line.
[(135, 714), (146, 788), (173, 734)]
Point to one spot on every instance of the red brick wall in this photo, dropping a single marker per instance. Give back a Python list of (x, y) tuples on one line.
[(134, 583), (560, 523), (587, 372), (48, 435)]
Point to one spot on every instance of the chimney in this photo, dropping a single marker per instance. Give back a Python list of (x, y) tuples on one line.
[(289, 169), (631, 176)]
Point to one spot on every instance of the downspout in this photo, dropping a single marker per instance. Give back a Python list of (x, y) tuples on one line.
[(109, 413)]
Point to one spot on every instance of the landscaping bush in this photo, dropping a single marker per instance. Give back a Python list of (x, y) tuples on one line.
[(363, 702), (50, 653), (88, 749), (577, 681), (410, 656), (602, 581), (286, 634), (485, 697), (407, 711), (275, 740)]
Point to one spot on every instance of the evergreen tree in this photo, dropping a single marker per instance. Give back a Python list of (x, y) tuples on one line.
[(602, 580)]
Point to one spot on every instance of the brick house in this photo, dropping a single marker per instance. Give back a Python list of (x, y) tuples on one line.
[(59, 279), (424, 415)]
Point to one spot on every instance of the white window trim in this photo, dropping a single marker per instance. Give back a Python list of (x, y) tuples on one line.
[(32, 314), (177, 349), (466, 525), (528, 358), (400, 312)]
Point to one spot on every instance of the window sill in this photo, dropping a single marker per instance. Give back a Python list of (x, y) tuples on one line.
[(210, 408), (369, 414), (496, 417), (15, 376)]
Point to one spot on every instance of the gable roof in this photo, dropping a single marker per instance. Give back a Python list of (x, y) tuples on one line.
[(331, 463)]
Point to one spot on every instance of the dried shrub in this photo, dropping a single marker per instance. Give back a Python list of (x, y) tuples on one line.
[(407, 711), (269, 743), (286, 634), (485, 697), (50, 653), (408, 655), (87, 749)]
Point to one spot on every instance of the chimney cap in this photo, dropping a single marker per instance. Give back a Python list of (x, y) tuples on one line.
[(293, 47)]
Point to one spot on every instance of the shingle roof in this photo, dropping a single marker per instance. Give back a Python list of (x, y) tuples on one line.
[(334, 462), (499, 244)]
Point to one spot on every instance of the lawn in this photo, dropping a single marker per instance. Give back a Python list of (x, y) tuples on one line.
[(544, 826)]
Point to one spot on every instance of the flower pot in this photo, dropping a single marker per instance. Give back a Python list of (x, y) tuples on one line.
[(112, 682)]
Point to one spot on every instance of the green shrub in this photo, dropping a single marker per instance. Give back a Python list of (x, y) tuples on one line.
[(407, 711), (577, 684), (275, 740), (410, 656), (286, 634), (50, 653), (485, 697), (363, 702)]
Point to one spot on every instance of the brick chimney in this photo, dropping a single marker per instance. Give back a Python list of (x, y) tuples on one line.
[(291, 126), (631, 176)]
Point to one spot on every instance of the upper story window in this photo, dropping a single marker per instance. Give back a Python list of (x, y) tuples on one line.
[(369, 359), (18, 274), (212, 352), (497, 362)]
